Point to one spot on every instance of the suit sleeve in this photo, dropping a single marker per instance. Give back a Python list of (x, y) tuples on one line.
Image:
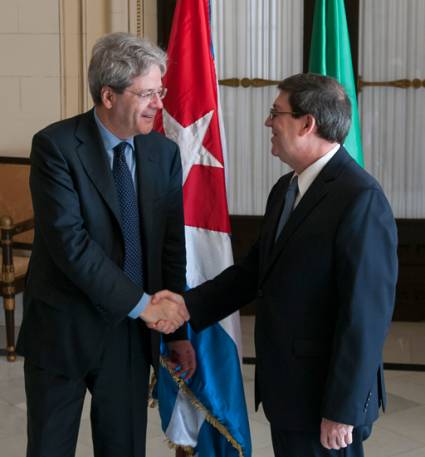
[(174, 252), (61, 225), (366, 275), (230, 290)]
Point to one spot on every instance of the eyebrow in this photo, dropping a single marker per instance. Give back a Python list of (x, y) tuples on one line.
[(147, 90)]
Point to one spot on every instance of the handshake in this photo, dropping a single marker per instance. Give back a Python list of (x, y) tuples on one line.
[(165, 312)]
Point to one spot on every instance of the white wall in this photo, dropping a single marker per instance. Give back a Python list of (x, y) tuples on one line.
[(29, 71), (45, 47), (393, 119)]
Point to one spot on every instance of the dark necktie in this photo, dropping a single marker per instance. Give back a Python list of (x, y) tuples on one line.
[(291, 194), (130, 222)]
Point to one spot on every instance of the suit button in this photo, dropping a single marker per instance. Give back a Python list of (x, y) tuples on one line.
[(260, 293)]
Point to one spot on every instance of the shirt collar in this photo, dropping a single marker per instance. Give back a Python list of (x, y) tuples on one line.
[(109, 139), (306, 178)]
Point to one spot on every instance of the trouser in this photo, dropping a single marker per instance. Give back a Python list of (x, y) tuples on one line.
[(119, 390), (288, 443)]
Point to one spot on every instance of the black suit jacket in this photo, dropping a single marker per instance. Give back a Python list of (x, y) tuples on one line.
[(76, 290), (325, 296)]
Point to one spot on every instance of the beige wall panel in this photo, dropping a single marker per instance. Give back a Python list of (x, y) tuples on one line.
[(71, 103), (29, 55), (29, 71), (132, 16), (71, 57), (41, 95), (39, 16), (118, 15), (96, 22), (20, 130), (150, 20), (118, 22), (45, 47), (8, 16), (150, 27), (10, 101)]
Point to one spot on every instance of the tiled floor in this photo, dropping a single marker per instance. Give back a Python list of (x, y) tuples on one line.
[(400, 432)]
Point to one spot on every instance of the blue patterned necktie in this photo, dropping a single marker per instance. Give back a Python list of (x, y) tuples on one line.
[(130, 221), (290, 196)]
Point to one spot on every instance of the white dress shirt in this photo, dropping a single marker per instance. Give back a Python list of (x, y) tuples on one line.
[(306, 178)]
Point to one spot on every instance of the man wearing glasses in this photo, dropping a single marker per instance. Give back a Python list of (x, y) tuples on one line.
[(107, 196), (323, 272)]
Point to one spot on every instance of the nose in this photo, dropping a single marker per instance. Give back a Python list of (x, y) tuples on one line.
[(156, 101), (268, 121)]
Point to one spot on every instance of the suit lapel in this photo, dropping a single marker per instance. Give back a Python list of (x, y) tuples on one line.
[(146, 175), (270, 223), (313, 197), (96, 164), (95, 161)]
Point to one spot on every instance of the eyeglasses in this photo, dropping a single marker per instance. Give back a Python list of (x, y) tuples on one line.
[(274, 112), (149, 95)]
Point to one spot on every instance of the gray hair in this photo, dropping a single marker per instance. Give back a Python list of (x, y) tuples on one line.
[(325, 99), (118, 58)]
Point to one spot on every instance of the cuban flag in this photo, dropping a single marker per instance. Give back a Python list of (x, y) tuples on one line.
[(206, 416)]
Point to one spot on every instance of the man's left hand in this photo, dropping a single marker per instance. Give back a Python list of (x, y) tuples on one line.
[(334, 435), (182, 358)]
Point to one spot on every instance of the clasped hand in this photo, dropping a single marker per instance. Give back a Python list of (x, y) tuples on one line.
[(166, 312)]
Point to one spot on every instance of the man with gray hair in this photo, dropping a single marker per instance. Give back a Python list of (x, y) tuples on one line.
[(107, 197), (323, 272)]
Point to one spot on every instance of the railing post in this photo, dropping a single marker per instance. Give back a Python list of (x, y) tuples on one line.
[(8, 284)]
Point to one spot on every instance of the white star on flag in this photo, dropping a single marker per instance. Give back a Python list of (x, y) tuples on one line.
[(190, 140)]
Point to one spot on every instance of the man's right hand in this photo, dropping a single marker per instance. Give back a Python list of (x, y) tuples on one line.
[(166, 312), (334, 435)]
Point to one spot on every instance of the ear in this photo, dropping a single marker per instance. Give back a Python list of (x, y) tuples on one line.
[(309, 125), (107, 95)]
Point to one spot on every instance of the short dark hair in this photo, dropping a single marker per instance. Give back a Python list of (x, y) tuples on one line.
[(325, 99)]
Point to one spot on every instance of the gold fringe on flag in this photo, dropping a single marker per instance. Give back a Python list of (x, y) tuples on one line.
[(213, 421)]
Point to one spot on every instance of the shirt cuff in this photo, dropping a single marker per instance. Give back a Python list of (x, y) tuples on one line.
[(135, 312)]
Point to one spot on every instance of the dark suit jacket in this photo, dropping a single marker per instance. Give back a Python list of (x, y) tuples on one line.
[(76, 290), (325, 296)]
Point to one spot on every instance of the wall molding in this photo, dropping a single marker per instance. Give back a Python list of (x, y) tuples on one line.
[(70, 30), (81, 23), (140, 6), (397, 83), (248, 82), (245, 82)]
